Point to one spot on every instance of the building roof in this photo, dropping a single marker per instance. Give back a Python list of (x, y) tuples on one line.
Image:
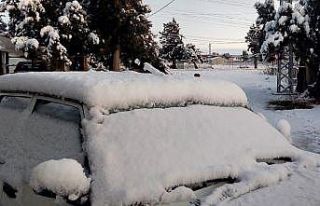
[(113, 90), (7, 46)]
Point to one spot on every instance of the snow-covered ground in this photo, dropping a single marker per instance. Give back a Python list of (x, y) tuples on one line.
[(260, 89)]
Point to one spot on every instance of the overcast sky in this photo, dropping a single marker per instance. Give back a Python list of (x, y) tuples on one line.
[(224, 23)]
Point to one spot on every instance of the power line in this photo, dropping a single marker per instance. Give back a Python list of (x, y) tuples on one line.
[(162, 8)]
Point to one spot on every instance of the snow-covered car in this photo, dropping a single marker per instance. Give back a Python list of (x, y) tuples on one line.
[(109, 138)]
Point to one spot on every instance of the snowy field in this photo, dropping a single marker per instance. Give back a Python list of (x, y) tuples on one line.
[(260, 89)]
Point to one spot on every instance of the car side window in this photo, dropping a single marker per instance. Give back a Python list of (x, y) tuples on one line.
[(58, 111), (15, 103), (54, 130)]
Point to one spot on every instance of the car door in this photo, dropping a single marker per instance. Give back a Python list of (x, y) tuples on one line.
[(43, 130)]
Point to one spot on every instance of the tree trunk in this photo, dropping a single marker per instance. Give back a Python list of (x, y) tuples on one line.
[(195, 65), (315, 91), (116, 59), (255, 60), (117, 51), (174, 64), (302, 81)]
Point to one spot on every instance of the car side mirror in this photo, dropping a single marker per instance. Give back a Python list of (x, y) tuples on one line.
[(64, 178), (9, 190)]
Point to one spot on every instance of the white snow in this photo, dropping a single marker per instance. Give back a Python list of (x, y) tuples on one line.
[(19, 42), (148, 67), (300, 188), (64, 20), (284, 127), (32, 44), (283, 20), (74, 10), (94, 38), (127, 90), (262, 176), (178, 195), (63, 177)]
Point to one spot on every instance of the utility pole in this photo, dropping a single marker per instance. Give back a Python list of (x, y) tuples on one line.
[(285, 82), (117, 50), (210, 47)]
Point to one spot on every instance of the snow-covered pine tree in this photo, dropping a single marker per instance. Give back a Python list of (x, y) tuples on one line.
[(312, 9), (193, 54), (29, 25), (172, 48), (15, 16), (125, 25), (266, 12), (290, 25), (3, 24), (254, 38), (75, 34)]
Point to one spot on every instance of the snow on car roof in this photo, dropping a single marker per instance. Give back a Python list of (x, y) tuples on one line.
[(138, 156), (113, 90)]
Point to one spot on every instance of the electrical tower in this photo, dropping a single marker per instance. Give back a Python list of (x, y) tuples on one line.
[(286, 78)]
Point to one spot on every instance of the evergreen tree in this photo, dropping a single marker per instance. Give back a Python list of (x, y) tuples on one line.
[(312, 9), (123, 26), (11, 6), (254, 38), (172, 44), (3, 25), (266, 12), (245, 56), (193, 54), (54, 30), (289, 28)]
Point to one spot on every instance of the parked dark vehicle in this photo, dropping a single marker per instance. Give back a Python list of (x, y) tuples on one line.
[(26, 66)]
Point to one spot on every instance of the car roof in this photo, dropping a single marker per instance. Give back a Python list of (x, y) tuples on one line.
[(114, 90)]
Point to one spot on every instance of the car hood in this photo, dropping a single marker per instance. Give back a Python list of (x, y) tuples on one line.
[(146, 155)]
